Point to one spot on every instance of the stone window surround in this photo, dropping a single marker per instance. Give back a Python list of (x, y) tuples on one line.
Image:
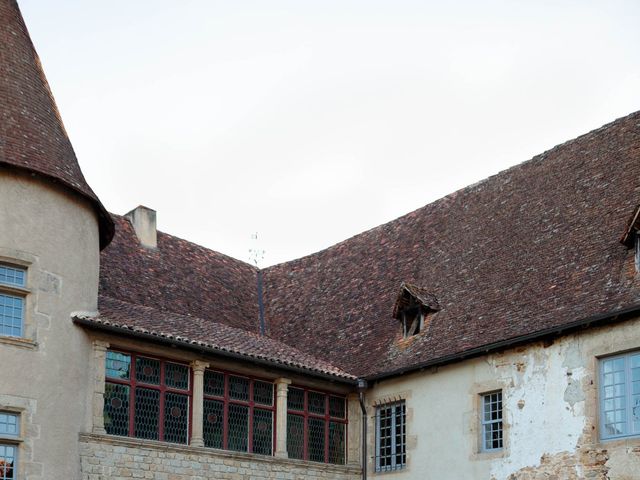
[(476, 392), (23, 260), (411, 439), (392, 407), (27, 433), (198, 366)]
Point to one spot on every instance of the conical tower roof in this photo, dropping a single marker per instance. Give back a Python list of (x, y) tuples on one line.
[(32, 135)]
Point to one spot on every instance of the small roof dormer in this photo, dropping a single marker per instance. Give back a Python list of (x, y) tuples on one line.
[(631, 237), (413, 305)]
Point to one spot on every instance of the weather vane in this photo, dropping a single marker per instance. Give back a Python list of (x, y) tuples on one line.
[(256, 254)]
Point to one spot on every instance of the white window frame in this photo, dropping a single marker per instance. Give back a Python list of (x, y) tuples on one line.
[(631, 407), (11, 440), (488, 424), (15, 290), (395, 429)]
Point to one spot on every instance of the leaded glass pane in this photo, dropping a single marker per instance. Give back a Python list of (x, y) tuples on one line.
[(9, 424), (147, 413), (316, 439), (295, 436), (8, 456), (176, 418), (118, 365), (295, 399), (213, 423), (116, 409), (15, 277), (336, 442), (263, 392), (148, 370), (239, 388), (213, 383), (176, 376), (317, 403), (262, 431), (337, 407), (11, 315), (238, 437)]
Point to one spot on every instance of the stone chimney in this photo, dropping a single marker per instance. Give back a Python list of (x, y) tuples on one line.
[(143, 220)]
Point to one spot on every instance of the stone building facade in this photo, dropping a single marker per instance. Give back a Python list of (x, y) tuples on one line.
[(493, 334)]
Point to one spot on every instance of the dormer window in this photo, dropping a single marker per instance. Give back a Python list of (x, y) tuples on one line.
[(631, 237), (413, 307)]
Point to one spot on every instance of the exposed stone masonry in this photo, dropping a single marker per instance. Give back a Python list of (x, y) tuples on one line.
[(104, 457)]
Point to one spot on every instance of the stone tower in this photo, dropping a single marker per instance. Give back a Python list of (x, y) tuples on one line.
[(52, 228)]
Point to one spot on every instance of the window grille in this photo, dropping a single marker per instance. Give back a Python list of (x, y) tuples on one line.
[(391, 436), (9, 428), (492, 433), (620, 395), (159, 392), (239, 413), (316, 426)]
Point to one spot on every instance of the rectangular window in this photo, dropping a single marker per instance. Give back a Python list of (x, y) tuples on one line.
[(13, 276), (316, 426), (9, 429), (147, 398), (238, 413), (11, 303), (492, 421), (620, 395), (391, 436)]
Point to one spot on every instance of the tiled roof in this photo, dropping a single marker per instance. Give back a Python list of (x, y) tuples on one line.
[(179, 277), (32, 136), (203, 333), (534, 247)]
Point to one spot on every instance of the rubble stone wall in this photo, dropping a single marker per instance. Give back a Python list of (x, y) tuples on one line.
[(105, 457)]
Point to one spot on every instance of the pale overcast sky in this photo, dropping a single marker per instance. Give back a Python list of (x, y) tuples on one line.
[(311, 121)]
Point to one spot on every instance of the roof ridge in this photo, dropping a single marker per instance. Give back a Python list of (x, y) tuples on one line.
[(464, 190)]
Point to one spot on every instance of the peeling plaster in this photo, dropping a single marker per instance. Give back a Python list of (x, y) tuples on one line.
[(537, 428)]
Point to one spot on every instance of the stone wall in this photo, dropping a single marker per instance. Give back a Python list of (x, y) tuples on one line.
[(106, 457)]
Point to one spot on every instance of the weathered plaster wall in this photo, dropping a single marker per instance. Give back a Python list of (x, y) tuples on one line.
[(45, 375), (113, 458), (550, 394)]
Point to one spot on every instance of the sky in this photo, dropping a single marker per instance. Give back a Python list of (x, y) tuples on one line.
[(309, 122)]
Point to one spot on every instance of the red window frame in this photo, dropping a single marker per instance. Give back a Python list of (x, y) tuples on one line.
[(306, 414), (227, 400), (132, 383)]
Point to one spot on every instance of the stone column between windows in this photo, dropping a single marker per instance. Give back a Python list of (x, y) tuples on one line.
[(197, 438), (99, 368), (354, 429), (282, 387)]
